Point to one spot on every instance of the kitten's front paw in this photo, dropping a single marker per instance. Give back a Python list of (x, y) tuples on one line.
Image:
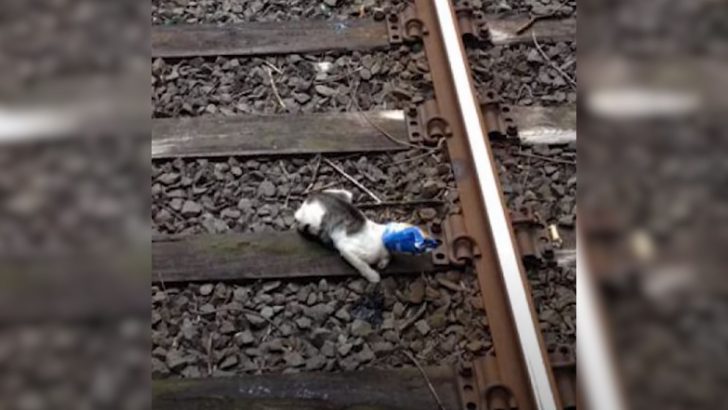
[(383, 263), (372, 276)]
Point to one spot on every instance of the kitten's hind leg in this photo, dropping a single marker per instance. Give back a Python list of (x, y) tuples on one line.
[(370, 274)]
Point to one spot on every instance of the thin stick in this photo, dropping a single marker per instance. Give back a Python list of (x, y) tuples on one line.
[(568, 64), (269, 64), (352, 99), (530, 92), (275, 90), (209, 355), (414, 317), (532, 20), (423, 155), (427, 379), (559, 161), (328, 185), (526, 25), (283, 168), (352, 179), (265, 336), (450, 285), (315, 175), (164, 289), (254, 313), (377, 127), (387, 134), (415, 158), (551, 63), (415, 202)]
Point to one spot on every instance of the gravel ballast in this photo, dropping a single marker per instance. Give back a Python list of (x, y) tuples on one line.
[(330, 325), (252, 195), (238, 11), (332, 82)]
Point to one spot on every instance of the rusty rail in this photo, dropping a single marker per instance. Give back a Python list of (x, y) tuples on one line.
[(601, 381), (519, 374)]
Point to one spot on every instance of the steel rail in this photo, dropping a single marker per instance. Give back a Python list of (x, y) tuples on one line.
[(601, 383), (514, 279)]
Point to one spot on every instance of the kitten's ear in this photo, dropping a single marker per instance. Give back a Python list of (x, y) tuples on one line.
[(341, 193)]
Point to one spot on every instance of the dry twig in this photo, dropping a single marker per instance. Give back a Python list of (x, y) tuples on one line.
[(551, 63), (416, 202), (520, 90), (322, 188), (414, 317), (269, 64), (275, 90), (568, 64), (265, 336), (387, 134), (532, 20), (427, 379), (376, 126), (283, 168), (315, 175), (526, 25), (352, 99), (352, 179), (209, 355), (559, 161), (164, 289), (423, 155)]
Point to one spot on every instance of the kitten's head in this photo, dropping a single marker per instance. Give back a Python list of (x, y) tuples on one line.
[(309, 217), (325, 211)]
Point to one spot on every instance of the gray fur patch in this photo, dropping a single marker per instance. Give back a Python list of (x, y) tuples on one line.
[(340, 214)]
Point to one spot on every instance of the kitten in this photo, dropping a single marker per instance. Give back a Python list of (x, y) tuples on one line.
[(332, 218)]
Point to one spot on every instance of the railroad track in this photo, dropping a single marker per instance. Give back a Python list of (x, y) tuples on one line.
[(482, 239)]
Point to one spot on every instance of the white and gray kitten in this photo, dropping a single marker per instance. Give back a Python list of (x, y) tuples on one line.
[(332, 218)]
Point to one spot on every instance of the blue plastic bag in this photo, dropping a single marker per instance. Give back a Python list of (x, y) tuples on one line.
[(406, 239)]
